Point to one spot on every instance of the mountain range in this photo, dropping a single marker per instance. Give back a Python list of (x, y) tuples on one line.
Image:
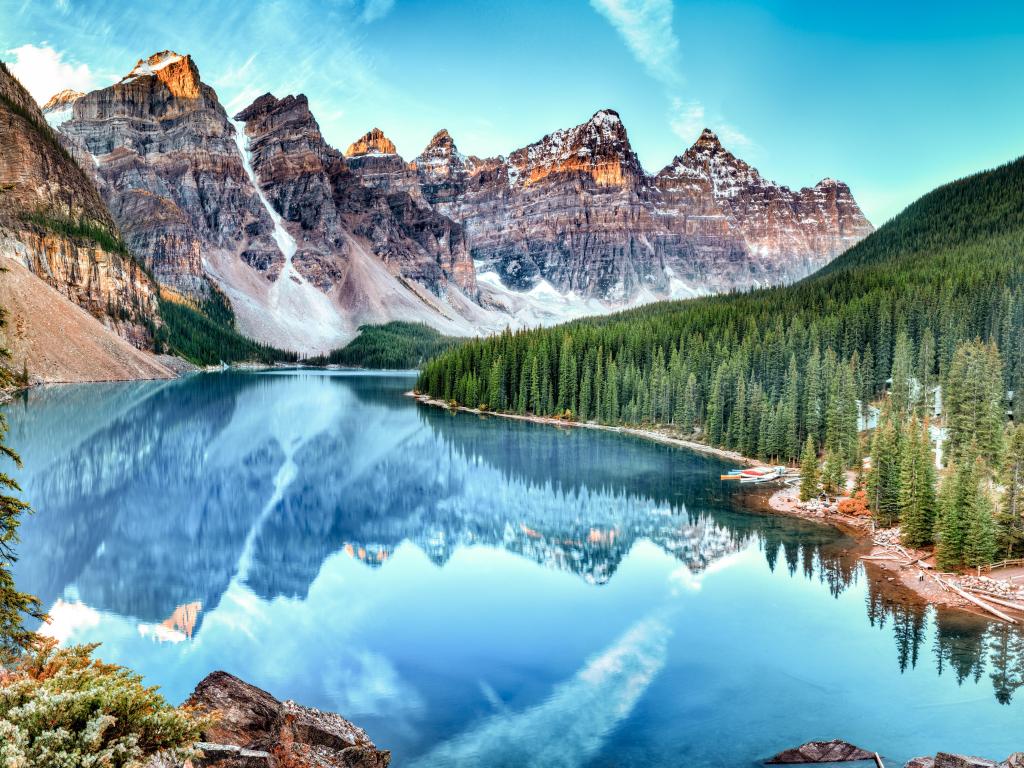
[(300, 244)]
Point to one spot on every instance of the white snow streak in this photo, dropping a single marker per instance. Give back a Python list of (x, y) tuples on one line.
[(305, 313)]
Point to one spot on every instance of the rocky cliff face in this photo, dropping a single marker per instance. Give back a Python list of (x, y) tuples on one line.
[(53, 222), (364, 196), (576, 210), (171, 173), (309, 242), (304, 246), (788, 234)]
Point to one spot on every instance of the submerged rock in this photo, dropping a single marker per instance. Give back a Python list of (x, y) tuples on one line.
[(252, 729), (835, 751), (950, 760)]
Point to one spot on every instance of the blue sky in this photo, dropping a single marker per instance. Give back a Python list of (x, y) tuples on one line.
[(893, 98)]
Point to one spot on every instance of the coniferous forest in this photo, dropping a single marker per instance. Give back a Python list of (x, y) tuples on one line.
[(921, 319)]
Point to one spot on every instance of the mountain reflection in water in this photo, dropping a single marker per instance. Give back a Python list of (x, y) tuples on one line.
[(290, 526)]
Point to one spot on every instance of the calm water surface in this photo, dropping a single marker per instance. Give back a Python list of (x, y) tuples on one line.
[(478, 592)]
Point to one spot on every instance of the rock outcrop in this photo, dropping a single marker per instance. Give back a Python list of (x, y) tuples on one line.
[(789, 234), (55, 224), (252, 728), (834, 751)]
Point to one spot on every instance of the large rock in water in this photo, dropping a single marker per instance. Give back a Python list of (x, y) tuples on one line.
[(950, 760), (252, 729), (834, 751)]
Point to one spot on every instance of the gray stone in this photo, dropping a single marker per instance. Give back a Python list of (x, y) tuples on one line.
[(951, 760), (834, 751)]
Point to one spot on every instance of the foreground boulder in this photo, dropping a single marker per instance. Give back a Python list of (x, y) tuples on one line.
[(951, 760), (252, 729), (834, 751)]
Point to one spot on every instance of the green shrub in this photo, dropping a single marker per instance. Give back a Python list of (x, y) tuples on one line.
[(61, 708)]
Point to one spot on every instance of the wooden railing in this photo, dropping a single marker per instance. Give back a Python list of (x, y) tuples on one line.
[(1004, 564)]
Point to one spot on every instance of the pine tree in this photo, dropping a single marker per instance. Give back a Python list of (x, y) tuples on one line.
[(1011, 511), (809, 471), (926, 371), (980, 541), (15, 606), (917, 501), (961, 506), (883, 480), (974, 400), (901, 391), (834, 474)]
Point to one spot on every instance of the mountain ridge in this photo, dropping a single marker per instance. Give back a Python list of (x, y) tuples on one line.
[(570, 224)]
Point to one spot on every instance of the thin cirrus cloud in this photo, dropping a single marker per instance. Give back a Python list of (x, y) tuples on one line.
[(646, 28), (44, 71)]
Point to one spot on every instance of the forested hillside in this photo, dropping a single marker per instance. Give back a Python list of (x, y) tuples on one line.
[(951, 265), (391, 345)]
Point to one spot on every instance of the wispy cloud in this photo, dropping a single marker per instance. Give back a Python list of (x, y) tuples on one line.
[(44, 71), (376, 9), (569, 727), (646, 26), (686, 118)]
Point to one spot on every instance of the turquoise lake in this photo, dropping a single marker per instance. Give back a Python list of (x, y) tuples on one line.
[(478, 591)]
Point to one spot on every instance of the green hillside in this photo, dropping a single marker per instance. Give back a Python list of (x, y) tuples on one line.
[(761, 371), (395, 345)]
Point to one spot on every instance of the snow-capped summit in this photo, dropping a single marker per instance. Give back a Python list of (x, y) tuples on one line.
[(599, 147), (373, 142), (59, 108), (153, 64)]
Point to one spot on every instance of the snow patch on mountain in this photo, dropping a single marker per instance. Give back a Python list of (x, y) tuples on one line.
[(309, 317)]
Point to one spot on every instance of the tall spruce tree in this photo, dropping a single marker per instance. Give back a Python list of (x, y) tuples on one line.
[(962, 533), (974, 400), (917, 501), (809, 484), (1010, 520), (883, 479), (902, 389)]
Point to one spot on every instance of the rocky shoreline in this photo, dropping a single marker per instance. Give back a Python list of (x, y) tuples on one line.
[(884, 559), (246, 727), (249, 728)]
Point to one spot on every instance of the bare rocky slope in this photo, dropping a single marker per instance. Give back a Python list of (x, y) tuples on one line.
[(78, 305)]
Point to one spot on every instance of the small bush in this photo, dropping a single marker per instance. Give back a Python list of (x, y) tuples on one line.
[(61, 707)]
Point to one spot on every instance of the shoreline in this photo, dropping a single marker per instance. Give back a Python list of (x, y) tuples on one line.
[(900, 571), (647, 434)]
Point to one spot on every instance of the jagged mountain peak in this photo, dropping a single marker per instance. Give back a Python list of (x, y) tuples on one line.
[(708, 139), (441, 149), (599, 147), (442, 137), (268, 102), (60, 107), (606, 117), (374, 142), (62, 99), (177, 71)]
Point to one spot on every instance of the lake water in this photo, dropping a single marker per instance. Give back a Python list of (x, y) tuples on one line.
[(478, 591)]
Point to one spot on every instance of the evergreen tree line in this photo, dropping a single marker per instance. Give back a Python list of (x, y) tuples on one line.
[(207, 336), (934, 297), (397, 345)]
